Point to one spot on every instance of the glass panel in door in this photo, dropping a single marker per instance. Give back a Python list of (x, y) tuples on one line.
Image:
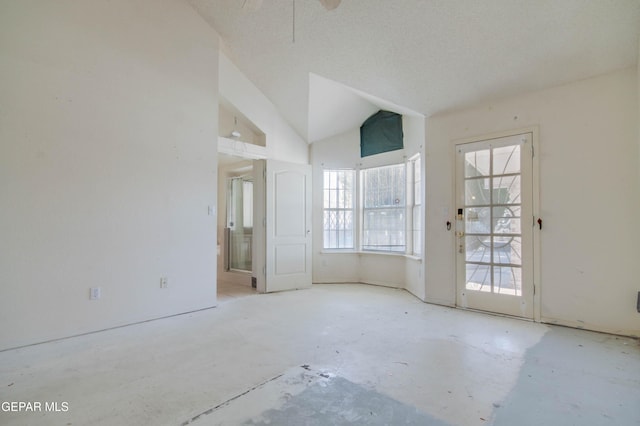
[(492, 231), (494, 249)]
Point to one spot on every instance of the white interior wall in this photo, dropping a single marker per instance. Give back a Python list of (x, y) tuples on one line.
[(108, 130), (343, 151), (589, 197), (228, 122), (282, 142)]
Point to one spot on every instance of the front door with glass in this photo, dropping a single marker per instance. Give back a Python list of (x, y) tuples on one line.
[(494, 235)]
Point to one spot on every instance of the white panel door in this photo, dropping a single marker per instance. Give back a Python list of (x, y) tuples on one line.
[(288, 226), (494, 230)]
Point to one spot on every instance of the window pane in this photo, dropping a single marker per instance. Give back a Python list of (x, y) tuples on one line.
[(507, 280), (506, 160), (507, 250), (338, 209), (416, 207), (478, 277), (384, 186), (333, 198), (384, 209), (384, 229), (477, 248), (417, 183), (506, 220), (346, 184), (477, 192), (476, 163), (477, 220), (506, 190), (417, 230)]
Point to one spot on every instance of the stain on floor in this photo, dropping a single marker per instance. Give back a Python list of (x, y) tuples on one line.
[(337, 401), (305, 396), (557, 382)]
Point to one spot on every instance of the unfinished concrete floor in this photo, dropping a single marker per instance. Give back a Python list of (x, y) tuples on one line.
[(335, 354)]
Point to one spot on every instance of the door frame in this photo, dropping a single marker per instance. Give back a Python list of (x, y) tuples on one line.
[(265, 236), (223, 172), (535, 178)]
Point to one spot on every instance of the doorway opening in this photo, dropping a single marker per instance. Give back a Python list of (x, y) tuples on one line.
[(262, 203), (235, 227), (240, 143)]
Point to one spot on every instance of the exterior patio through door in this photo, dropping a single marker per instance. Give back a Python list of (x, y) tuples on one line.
[(495, 225)]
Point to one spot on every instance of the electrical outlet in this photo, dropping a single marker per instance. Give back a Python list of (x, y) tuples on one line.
[(95, 293), (164, 282)]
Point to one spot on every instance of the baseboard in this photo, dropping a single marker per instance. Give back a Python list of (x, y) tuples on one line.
[(591, 327)]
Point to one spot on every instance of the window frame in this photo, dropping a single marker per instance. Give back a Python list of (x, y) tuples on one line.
[(401, 206), (412, 207), (337, 210)]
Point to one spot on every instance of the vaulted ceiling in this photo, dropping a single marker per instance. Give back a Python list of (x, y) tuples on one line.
[(428, 56)]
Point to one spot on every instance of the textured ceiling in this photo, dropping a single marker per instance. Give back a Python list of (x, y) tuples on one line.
[(426, 55)]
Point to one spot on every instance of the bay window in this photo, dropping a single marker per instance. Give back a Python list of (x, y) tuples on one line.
[(378, 209)]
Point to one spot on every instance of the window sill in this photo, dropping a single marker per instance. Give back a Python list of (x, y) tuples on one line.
[(375, 253), (413, 257)]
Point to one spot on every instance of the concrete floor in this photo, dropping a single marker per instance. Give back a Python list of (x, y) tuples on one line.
[(335, 354)]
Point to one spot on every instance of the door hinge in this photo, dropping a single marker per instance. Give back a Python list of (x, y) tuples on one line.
[(264, 174), (533, 152), (264, 221), (264, 270)]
